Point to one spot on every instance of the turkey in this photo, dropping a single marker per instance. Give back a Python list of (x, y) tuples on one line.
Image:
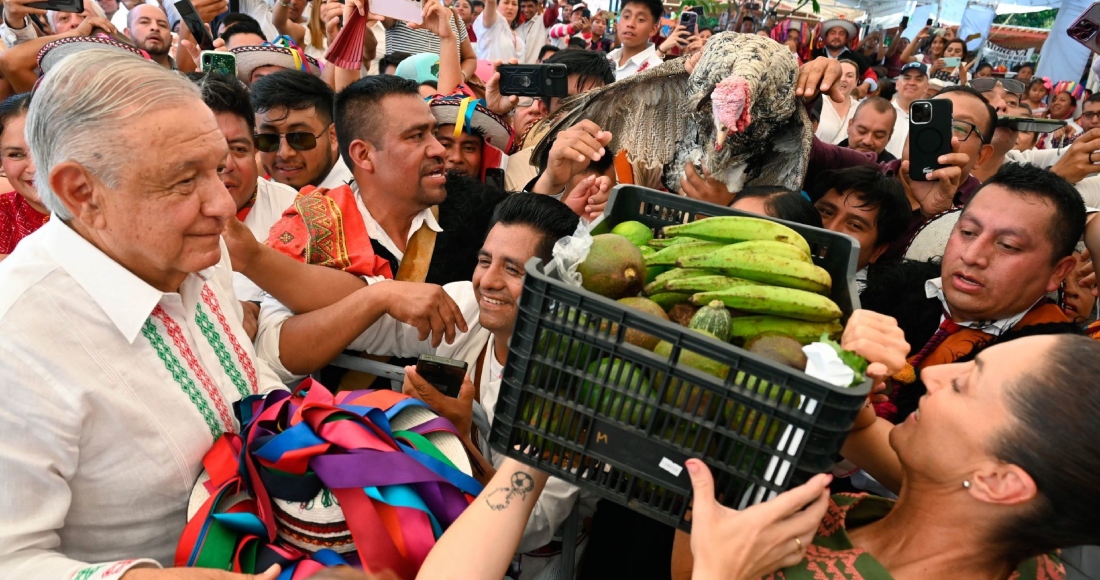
[(734, 115)]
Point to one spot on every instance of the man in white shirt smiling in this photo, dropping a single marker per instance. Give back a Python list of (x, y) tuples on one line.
[(121, 350)]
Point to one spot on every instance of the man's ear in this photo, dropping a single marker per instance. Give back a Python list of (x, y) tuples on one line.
[(1004, 484), (362, 155), (984, 154), (75, 188), (332, 139), (1061, 270)]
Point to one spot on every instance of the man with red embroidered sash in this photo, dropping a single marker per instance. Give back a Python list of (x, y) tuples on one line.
[(401, 200), (1012, 245), (121, 347)]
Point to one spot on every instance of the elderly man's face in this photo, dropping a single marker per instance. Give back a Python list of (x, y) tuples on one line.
[(65, 21), (165, 218), (912, 86)]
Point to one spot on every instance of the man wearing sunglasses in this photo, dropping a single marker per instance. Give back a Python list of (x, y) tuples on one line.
[(295, 133)]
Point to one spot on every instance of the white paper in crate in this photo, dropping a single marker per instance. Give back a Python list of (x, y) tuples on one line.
[(823, 363), (570, 252)]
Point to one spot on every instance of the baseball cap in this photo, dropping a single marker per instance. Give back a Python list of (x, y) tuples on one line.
[(918, 66)]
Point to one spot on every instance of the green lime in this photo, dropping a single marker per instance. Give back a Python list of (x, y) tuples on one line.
[(637, 232)]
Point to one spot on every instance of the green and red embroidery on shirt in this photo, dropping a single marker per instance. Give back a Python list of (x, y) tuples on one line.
[(245, 361)]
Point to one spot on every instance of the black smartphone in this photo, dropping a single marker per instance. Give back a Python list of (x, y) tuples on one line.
[(929, 21), (1030, 124), (929, 136), (494, 177), (74, 6), (1086, 27), (198, 30), (443, 373), (534, 80), (690, 21), (219, 62), (586, 13), (904, 22)]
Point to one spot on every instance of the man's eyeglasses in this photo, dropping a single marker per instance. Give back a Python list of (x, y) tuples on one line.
[(298, 140), (1091, 115), (963, 129), (1009, 85)]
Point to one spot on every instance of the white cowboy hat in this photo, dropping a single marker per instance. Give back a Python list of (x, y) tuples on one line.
[(250, 58), (930, 240), (850, 28), (55, 51)]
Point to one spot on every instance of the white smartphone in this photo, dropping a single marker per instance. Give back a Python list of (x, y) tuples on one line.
[(407, 10), (952, 62)]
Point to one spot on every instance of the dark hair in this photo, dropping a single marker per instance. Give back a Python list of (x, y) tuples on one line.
[(1024, 65), (957, 41), (654, 6), (225, 94), (552, 219), (1053, 438), (987, 127), (1093, 98), (879, 104), (1072, 99), (872, 189), (1068, 224), (394, 59), (983, 65), (1037, 81), (233, 19), (577, 42), (296, 91), (242, 28), (358, 109), (783, 203), (14, 106), (476, 3), (547, 48), (588, 65)]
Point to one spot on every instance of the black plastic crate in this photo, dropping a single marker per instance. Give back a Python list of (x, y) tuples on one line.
[(623, 429)]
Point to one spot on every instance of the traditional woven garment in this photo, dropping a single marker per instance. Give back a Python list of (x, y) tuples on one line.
[(17, 220), (742, 90), (365, 478)]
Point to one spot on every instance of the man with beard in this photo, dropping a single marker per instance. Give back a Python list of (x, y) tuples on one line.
[(838, 35), (147, 25), (402, 218)]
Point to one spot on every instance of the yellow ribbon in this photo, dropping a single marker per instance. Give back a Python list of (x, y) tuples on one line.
[(461, 120)]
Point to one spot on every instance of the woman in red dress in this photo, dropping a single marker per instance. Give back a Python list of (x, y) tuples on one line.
[(21, 211)]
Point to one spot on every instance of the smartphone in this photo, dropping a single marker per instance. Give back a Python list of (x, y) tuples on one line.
[(1085, 29), (586, 13), (929, 22), (1030, 124), (904, 22), (198, 30), (494, 177), (74, 6), (443, 373), (952, 62), (690, 21), (929, 136), (534, 80), (219, 62)]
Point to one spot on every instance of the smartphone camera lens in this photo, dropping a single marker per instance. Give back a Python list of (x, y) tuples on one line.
[(921, 112), (523, 81)]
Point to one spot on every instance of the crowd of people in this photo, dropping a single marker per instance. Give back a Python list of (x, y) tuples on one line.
[(195, 238)]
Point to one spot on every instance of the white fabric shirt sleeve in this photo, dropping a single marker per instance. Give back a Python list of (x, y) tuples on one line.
[(1045, 158), (18, 36), (1089, 188), (37, 464)]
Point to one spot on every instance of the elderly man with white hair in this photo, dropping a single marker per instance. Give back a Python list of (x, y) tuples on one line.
[(121, 347)]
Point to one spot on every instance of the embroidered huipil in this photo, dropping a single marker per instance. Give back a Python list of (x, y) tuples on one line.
[(113, 391)]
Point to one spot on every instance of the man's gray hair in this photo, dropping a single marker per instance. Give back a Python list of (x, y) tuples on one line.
[(83, 105)]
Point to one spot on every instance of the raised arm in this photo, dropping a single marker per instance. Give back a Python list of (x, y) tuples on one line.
[(489, 14), (280, 17), (907, 54)]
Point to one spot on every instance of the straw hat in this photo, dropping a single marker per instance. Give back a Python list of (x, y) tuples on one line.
[(930, 240), (250, 58), (55, 51), (481, 120)]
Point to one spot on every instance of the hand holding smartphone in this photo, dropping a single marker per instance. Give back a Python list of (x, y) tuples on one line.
[(1086, 27), (534, 80), (194, 24), (690, 21), (929, 136), (445, 374)]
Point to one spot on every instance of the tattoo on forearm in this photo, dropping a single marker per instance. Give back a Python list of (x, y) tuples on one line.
[(501, 497)]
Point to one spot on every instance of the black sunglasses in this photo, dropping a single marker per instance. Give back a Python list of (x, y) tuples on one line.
[(298, 140), (1010, 85)]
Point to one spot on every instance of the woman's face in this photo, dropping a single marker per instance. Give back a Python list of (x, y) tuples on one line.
[(16, 160), (1060, 105), (509, 9), (938, 44), (599, 26), (984, 73), (465, 11), (961, 419), (847, 80), (955, 49)]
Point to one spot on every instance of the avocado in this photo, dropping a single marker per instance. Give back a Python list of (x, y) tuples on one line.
[(614, 267), (778, 347)]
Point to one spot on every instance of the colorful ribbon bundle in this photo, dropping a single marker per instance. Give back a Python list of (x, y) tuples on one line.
[(318, 480), (296, 52)]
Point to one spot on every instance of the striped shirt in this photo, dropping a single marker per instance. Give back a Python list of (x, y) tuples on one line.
[(401, 38)]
